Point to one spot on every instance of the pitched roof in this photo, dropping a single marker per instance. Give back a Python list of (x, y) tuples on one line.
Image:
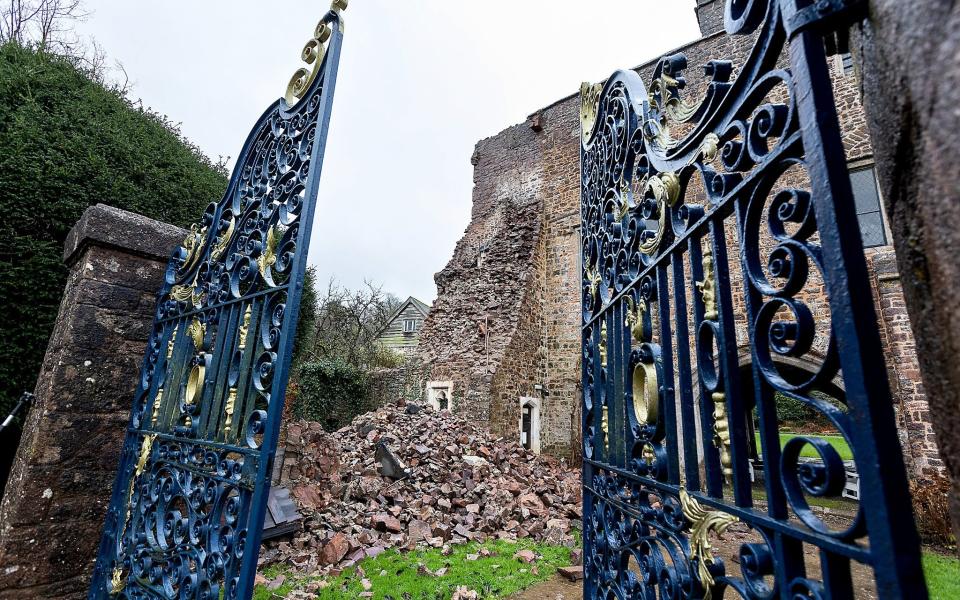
[(421, 307)]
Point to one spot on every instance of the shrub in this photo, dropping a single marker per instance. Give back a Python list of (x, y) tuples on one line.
[(931, 507), (332, 393), (66, 143), (795, 415)]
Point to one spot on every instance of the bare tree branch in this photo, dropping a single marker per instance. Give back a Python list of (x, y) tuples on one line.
[(349, 322)]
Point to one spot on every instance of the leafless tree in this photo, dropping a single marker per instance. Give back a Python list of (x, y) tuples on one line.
[(348, 323), (47, 23), (49, 26)]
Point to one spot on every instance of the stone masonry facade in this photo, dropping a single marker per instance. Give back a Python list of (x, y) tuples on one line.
[(56, 499), (506, 324)]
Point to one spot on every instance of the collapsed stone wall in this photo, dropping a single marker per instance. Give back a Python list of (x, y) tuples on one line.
[(483, 288)]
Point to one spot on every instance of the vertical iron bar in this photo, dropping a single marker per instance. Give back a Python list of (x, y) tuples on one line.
[(711, 456), (730, 367), (258, 508), (894, 541), (688, 418), (666, 385), (764, 398)]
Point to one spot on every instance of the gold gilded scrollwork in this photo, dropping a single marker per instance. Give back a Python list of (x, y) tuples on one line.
[(197, 332), (624, 208), (223, 241), (710, 147), (602, 345), (194, 388), (231, 405), (118, 581), (193, 244), (158, 401), (593, 276), (721, 432), (665, 190), (188, 293), (708, 287), (674, 106), (312, 54), (703, 523), (646, 393), (635, 312), (589, 107), (269, 256), (648, 454)]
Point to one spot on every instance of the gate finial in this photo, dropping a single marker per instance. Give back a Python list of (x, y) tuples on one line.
[(312, 54)]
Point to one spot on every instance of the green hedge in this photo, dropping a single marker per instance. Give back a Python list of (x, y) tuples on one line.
[(66, 143), (332, 393)]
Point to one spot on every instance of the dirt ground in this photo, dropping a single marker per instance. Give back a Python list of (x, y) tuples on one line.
[(557, 588), (728, 548)]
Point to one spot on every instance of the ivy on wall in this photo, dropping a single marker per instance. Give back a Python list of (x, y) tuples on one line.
[(332, 392), (66, 143)]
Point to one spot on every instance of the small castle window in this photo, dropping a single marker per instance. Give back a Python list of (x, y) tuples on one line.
[(847, 60), (530, 424), (869, 214)]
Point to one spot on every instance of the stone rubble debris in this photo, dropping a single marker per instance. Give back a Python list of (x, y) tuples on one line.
[(407, 476)]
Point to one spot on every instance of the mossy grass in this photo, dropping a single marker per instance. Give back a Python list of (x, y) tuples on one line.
[(396, 575)]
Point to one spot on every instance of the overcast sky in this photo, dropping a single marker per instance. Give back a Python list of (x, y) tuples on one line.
[(420, 83)]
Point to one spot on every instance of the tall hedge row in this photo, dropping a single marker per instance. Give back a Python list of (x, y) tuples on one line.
[(66, 143)]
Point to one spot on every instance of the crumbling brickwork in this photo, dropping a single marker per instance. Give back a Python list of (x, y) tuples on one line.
[(486, 287), (54, 505), (528, 286)]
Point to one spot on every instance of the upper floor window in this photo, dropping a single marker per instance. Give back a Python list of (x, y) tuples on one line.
[(846, 59), (869, 214), (411, 325)]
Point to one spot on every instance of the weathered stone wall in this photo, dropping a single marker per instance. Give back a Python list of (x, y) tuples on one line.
[(54, 505), (484, 286), (536, 165), (710, 16), (909, 54)]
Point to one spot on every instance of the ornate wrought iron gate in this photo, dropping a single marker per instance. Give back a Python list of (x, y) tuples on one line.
[(705, 222), (188, 504)]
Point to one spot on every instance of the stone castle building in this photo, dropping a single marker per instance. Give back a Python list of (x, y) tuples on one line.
[(503, 338)]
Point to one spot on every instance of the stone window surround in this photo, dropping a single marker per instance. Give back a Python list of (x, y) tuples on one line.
[(433, 388), (534, 403)]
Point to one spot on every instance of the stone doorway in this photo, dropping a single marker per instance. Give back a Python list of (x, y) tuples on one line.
[(530, 424)]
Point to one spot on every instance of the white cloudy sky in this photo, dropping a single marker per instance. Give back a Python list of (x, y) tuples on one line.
[(421, 82)]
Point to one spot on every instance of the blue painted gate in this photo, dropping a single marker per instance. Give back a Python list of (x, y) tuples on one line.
[(187, 510), (705, 221)]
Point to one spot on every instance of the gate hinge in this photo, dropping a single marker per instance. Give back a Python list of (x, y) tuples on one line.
[(826, 16)]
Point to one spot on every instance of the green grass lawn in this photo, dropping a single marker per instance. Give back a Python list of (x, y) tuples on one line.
[(943, 576), (839, 444), (396, 576)]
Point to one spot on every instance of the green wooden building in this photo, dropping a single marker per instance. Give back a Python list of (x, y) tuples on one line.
[(402, 331)]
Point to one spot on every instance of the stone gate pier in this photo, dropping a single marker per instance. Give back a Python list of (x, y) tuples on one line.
[(55, 501)]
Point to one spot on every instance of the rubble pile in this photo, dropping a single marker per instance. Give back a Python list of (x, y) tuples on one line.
[(404, 476)]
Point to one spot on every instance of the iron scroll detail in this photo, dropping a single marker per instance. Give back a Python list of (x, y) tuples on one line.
[(704, 221), (187, 507)]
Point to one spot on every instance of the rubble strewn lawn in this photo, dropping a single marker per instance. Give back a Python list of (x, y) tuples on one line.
[(410, 478), (495, 569)]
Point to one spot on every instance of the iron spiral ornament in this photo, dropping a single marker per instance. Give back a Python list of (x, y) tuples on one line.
[(187, 508), (709, 225)]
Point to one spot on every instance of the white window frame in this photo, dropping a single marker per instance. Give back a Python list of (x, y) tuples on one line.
[(433, 392), (534, 403)]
